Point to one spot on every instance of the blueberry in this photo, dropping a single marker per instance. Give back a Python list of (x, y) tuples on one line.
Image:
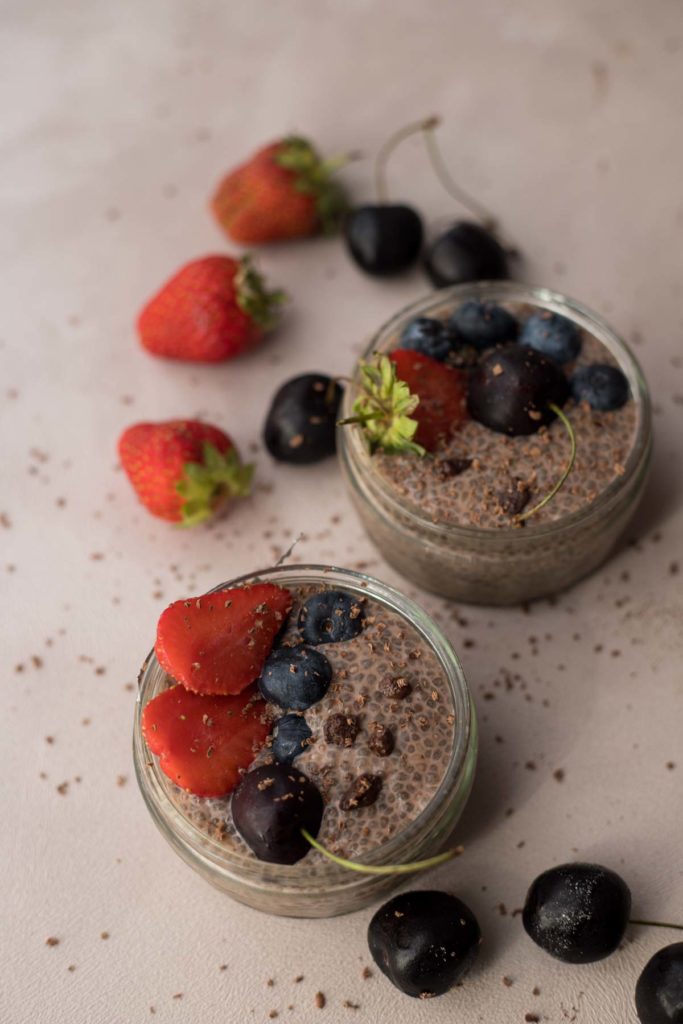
[(295, 677), (466, 252), (484, 324), (270, 807), (289, 738), (431, 338), (552, 335), (577, 912), (301, 423), (511, 388), (383, 239), (424, 942), (603, 387), (330, 617), (659, 991)]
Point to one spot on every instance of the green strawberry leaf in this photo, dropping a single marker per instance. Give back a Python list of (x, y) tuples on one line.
[(208, 484), (383, 409), (313, 175), (253, 298)]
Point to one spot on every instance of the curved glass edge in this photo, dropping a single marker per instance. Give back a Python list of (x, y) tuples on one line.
[(243, 870), (353, 452)]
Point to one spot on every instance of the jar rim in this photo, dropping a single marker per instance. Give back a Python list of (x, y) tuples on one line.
[(354, 453), (244, 867)]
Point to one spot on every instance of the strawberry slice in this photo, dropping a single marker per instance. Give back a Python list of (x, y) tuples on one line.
[(204, 743), (218, 643), (442, 392)]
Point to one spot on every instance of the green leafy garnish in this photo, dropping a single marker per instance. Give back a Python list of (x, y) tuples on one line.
[(208, 484), (313, 175), (383, 409), (252, 296)]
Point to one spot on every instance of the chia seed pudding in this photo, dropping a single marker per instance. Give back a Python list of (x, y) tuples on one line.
[(396, 711), (451, 522)]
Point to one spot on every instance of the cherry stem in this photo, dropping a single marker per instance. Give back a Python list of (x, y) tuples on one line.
[(567, 470), (657, 924), (390, 145), (285, 554), (383, 869), (454, 190)]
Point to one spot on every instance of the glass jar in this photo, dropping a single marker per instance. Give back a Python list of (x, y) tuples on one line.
[(295, 890), (497, 566)]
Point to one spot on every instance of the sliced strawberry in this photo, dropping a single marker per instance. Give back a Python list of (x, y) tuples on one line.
[(218, 643), (442, 392), (203, 743)]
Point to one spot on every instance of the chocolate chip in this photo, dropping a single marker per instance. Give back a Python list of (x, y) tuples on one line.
[(396, 687), (362, 792), (341, 730), (381, 740), (451, 467), (513, 498)]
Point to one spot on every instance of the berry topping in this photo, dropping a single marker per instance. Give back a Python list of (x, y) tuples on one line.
[(553, 335), (577, 912), (384, 238), (430, 337), (302, 419), (295, 677), (270, 807), (204, 743), (512, 389), (484, 324), (604, 387), (442, 392), (466, 252), (424, 942), (381, 739), (330, 617), (218, 643), (341, 730), (183, 471), (290, 738), (284, 191), (659, 991), (362, 792), (213, 309)]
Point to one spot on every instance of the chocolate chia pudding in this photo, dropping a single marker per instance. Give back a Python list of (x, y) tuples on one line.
[(391, 750), (456, 522)]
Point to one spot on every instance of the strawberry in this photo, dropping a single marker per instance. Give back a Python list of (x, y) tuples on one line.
[(213, 309), (204, 743), (284, 191), (183, 470), (442, 392), (219, 643)]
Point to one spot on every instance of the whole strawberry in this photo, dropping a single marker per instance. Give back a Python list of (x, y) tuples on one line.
[(213, 309), (183, 470), (284, 191)]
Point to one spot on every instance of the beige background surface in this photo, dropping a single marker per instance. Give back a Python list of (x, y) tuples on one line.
[(117, 120)]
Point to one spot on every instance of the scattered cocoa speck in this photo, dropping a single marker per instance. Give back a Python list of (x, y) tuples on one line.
[(299, 978), (5, 521), (366, 973), (152, 1010), (502, 909), (273, 1014), (507, 981), (674, 569), (178, 995), (121, 780), (558, 774), (52, 940), (105, 936), (36, 661), (348, 1005), (100, 670), (63, 788), (535, 991), (530, 766), (71, 968), (50, 740), (319, 1000), (270, 982), (222, 967), (532, 1018), (671, 765)]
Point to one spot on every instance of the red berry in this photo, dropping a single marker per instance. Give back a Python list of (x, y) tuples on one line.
[(205, 743), (212, 309), (442, 392), (218, 643), (182, 470)]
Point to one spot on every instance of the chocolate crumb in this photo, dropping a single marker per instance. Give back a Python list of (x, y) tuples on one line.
[(532, 1018), (451, 467), (105, 936), (348, 1005), (507, 981), (381, 740), (535, 991), (320, 1000), (299, 978), (513, 498), (366, 973), (396, 688), (558, 774), (362, 792), (52, 941), (341, 730)]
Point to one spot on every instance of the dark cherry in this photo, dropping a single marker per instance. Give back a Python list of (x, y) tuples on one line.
[(424, 941), (466, 252), (384, 238), (659, 991), (577, 912), (511, 388), (301, 422), (270, 807)]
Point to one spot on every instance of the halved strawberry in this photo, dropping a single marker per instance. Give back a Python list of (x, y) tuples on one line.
[(442, 392), (218, 643), (203, 743)]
